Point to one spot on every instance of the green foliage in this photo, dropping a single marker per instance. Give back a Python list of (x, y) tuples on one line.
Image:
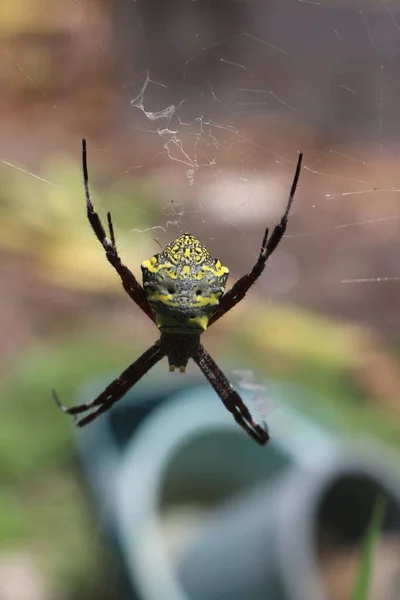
[(364, 576)]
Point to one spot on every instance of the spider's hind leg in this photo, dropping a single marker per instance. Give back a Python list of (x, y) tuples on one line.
[(230, 397), (57, 400), (116, 389)]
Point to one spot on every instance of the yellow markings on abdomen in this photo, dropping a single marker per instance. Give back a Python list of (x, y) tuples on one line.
[(212, 300), (154, 296), (153, 266)]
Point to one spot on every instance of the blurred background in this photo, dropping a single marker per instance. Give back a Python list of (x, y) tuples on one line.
[(194, 112)]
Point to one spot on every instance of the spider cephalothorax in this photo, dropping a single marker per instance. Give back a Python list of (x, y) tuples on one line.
[(183, 292)]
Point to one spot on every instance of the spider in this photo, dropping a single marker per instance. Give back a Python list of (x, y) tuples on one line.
[(183, 293)]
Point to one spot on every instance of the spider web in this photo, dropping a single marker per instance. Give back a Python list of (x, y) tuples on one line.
[(209, 104)]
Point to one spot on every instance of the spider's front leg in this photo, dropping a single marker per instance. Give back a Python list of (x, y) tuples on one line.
[(269, 244), (117, 388), (230, 397), (129, 281)]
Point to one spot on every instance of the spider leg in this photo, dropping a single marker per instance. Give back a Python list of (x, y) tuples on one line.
[(269, 244), (129, 281), (230, 397), (117, 388)]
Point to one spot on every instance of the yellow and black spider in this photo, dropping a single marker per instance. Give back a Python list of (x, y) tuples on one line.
[(183, 293)]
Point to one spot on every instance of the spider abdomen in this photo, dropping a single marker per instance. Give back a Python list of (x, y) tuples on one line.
[(183, 285)]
